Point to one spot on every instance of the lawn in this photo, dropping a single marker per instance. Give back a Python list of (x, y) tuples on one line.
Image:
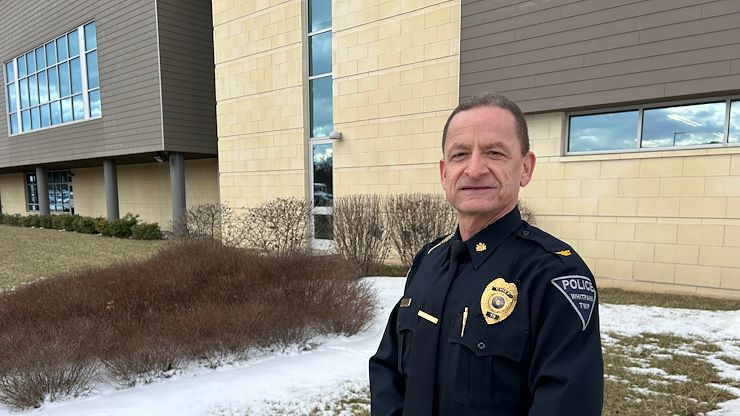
[(33, 253)]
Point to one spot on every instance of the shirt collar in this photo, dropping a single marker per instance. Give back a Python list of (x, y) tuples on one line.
[(485, 242)]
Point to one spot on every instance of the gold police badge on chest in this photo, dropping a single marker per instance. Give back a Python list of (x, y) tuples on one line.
[(498, 300)]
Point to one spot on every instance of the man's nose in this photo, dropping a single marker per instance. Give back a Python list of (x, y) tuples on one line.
[(476, 165)]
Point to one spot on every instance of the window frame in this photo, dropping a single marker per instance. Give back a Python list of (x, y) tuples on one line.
[(84, 93), (640, 108)]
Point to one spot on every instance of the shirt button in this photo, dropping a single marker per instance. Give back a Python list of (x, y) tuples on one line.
[(481, 345), (525, 232)]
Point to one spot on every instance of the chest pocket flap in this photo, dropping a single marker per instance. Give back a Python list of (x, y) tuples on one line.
[(490, 340)]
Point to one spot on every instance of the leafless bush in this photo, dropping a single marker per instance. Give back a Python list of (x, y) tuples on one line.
[(279, 226), (416, 219), (526, 212), (195, 300), (215, 222), (360, 232)]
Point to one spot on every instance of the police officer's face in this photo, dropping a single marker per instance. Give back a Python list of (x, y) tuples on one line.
[(483, 166)]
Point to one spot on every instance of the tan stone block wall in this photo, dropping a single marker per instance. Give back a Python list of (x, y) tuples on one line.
[(13, 194), (259, 93), (144, 189), (658, 221), (395, 82)]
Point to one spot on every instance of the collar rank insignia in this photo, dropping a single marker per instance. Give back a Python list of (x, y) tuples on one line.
[(580, 293), (480, 247), (498, 300), (565, 253)]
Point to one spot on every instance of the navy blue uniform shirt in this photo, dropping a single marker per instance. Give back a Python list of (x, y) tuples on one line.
[(530, 343)]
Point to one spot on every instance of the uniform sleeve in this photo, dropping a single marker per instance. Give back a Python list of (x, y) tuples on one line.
[(567, 372), (387, 385)]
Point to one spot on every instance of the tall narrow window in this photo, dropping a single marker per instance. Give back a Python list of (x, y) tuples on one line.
[(55, 83), (321, 118), (61, 195)]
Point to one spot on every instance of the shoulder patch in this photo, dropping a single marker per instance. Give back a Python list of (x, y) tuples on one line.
[(580, 293)]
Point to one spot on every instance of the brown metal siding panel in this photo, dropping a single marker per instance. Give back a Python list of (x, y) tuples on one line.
[(126, 40), (188, 75), (578, 54)]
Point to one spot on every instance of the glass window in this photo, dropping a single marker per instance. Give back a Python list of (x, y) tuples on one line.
[(74, 43), (62, 48), (319, 14), (12, 98), (40, 58), (26, 120), (43, 87), (45, 116), (33, 89), (32, 200), (35, 118), (31, 62), (320, 54), (22, 66), (14, 123), (64, 84), (683, 125), (76, 76), (53, 83), (9, 73), (51, 53), (47, 82), (323, 183), (23, 84), (611, 131), (78, 107), (67, 110), (95, 103), (322, 119), (56, 112), (92, 70), (90, 38), (734, 122)]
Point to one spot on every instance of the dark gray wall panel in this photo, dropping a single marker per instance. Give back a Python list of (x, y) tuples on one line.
[(188, 75), (575, 54), (129, 79)]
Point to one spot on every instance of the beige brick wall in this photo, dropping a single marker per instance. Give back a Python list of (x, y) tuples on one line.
[(12, 193), (660, 221), (259, 93), (396, 80)]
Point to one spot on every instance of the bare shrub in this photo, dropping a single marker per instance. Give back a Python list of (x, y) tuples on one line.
[(360, 232), (526, 212), (195, 300), (216, 222), (279, 226), (416, 219)]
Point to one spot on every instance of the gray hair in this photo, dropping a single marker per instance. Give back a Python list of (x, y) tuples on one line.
[(493, 99)]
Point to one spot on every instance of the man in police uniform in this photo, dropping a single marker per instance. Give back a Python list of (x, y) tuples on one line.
[(499, 318)]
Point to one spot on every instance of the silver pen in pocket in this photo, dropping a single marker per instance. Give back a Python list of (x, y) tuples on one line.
[(464, 321)]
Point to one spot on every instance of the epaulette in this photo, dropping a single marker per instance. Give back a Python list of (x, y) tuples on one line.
[(439, 241), (546, 241)]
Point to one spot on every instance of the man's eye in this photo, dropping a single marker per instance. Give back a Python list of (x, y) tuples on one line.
[(457, 156)]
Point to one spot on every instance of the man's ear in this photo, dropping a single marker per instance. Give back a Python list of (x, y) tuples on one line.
[(528, 162), (442, 171)]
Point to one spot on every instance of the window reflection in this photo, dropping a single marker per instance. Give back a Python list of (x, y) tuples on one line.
[(322, 119), (323, 227), (323, 182), (611, 131), (734, 123), (320, 54), (684, 125), (319, 14)]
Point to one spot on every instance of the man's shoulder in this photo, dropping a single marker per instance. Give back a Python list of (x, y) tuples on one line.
[(548, 245)]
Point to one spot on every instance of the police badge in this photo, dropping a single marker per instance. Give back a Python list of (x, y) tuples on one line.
[(498, 300)]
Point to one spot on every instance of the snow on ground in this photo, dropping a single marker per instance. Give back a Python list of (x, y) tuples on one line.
[(303, 378)]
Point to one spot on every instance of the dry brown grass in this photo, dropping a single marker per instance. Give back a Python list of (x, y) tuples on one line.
[(30, 254), (193, 301)]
